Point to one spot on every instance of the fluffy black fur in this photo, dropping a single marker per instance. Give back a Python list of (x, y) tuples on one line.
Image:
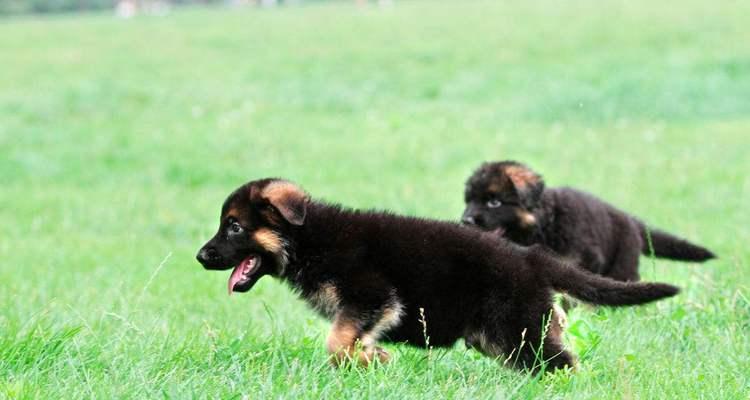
[(378, 276), (511, 199)]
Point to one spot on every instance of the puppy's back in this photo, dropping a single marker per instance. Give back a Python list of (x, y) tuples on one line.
[(581, 218)]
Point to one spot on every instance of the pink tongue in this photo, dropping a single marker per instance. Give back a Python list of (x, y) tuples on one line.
[(239, 273)]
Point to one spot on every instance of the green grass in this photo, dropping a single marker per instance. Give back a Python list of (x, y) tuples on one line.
[(120, 139)]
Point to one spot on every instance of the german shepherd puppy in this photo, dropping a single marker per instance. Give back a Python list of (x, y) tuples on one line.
[(376, 275), (510, 199)]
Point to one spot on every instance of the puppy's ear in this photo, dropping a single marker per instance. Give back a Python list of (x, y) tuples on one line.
[(534, 192), (528, 184), (289, 199)]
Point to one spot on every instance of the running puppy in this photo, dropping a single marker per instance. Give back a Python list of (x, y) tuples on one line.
[(375, 274), (509, 198)]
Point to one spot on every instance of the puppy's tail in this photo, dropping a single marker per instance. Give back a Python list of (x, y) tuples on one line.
[(593, 288), (669, 246)]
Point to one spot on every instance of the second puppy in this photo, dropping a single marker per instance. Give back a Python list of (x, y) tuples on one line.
[(511, 199)]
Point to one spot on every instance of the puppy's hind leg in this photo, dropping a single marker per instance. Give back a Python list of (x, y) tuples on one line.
[(539, 343), (555, 323), (486, 343), (625, 265), (527, 335)]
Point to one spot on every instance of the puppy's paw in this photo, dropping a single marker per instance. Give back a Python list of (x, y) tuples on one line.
[(382, 355), (362, 357)]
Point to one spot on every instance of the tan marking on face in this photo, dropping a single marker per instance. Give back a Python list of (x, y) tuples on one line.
[(527, 219), (269, 240), (232, 213), (494, 188)]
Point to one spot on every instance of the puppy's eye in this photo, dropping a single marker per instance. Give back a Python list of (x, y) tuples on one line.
[(235, 227), (494, 203)]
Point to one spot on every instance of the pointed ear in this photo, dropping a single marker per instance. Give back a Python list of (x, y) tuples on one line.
[(289, 199), (528, 184)]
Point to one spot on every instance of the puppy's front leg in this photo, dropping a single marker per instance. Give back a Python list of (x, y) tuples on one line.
[(348, 341)]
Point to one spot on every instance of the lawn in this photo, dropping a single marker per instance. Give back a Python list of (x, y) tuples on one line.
[(119, 139)]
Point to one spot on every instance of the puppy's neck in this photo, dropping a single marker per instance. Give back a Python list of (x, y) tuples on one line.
[(322, 232), (524, 235), (533, 231)]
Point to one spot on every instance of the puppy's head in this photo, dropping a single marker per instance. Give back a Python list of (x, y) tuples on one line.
[(254, 229), (501, 196)]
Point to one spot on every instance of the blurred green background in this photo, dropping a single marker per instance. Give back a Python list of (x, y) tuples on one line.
[(12, 7), (120, 138)]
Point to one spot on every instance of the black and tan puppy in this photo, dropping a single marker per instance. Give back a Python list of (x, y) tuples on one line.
[(371, 273), (509, 198)]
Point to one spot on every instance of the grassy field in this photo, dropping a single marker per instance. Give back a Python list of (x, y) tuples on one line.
[(120, 139)]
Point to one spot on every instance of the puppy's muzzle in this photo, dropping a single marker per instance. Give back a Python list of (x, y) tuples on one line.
[(210, 258), (470, 218)]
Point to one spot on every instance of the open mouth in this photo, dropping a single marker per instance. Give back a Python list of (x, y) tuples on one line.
[(242, 275)]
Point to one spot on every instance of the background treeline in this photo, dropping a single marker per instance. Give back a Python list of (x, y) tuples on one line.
[(57, 6)]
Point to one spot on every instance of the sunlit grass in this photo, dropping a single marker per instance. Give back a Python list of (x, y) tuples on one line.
[(120, 139)]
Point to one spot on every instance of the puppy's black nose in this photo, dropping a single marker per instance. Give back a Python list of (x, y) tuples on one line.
[(468, 220), (207, 255)]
